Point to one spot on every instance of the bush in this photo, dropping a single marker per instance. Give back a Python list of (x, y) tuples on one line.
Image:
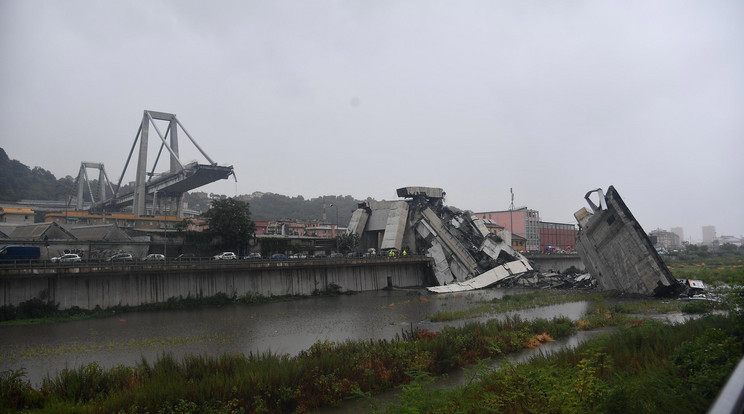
[(698, 306), (16, 392)]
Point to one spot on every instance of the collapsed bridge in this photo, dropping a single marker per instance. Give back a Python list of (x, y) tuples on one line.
[(466, 255), (617, 252), (612, 245)]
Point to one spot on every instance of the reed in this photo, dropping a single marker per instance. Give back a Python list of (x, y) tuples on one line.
[(640, 369)]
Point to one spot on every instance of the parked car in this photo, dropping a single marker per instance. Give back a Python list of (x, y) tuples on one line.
[(121, 257), (226, 256), (186, 257), (278, 256), (337, 255), (254, 256), (67, 258), (155, 257)]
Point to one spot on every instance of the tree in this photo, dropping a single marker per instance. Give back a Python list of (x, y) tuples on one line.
[(230, 219), (347, 242), (182, 225), (728, 247)]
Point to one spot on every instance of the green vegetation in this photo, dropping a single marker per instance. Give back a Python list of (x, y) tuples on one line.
[(644, 368), (347, 242), (515, 302), (271, 206), (323, 375), (654, 306), (22, 182), (36, 311), (723, 270), (230, 221), (31, 350)]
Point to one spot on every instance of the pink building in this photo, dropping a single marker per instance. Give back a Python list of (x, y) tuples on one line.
[(521, 222)]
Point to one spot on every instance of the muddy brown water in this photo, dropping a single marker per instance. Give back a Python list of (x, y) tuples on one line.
[(282, 327)]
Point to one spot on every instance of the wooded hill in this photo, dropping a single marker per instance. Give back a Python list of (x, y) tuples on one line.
[(19, 182)]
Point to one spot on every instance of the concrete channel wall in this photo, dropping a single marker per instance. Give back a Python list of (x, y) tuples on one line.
[(555, 262), (106, 286)]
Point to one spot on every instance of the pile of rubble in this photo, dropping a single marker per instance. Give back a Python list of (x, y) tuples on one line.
[(465, 254), (552, 281)]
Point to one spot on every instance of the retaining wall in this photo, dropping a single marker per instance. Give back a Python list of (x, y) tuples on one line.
[(88, 287)]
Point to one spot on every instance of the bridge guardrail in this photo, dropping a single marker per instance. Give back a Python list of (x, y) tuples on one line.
[(47, 264)]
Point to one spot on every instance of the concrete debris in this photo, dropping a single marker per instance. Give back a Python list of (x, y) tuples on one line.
[(617, 252), (556, 281), (466, 256), (692, 288), (488, 278)]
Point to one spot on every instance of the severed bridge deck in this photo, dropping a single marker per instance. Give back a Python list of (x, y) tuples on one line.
[(191, 177)]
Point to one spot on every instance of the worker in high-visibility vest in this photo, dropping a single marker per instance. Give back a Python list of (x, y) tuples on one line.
[(404, 252), (391, 254)]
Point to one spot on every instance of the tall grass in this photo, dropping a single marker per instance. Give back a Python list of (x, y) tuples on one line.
[(647, 368), (712, 271)]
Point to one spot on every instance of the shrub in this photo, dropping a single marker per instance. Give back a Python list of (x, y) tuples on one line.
[(16, 392), (698, 306)]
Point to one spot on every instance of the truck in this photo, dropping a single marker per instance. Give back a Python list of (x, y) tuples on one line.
[(19, 254)]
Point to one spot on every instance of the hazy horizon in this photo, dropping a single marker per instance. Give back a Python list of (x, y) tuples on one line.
[(360, 98)]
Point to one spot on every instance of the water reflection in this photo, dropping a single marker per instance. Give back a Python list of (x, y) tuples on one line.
[(283, 327)]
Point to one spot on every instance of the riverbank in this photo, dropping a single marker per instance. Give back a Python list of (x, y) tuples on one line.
[(646, 367), (322, 375), (37, 311), (356, 347)]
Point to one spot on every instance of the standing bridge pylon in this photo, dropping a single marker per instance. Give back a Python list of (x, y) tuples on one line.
[(165, 190)]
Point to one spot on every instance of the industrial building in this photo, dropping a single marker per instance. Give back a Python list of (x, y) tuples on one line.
[(666, 241), (557, 237)]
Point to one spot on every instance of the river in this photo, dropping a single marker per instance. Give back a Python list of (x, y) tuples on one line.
[(282, 327)]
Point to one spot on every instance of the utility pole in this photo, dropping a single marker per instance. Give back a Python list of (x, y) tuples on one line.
[(511, 217)]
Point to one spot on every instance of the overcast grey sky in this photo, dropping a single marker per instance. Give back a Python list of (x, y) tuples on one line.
[(359, 98)]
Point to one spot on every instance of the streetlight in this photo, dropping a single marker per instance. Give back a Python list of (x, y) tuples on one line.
[(333, 205), (335, 233)]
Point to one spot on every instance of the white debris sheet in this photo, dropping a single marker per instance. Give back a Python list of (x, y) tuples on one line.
[(486, 279)]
